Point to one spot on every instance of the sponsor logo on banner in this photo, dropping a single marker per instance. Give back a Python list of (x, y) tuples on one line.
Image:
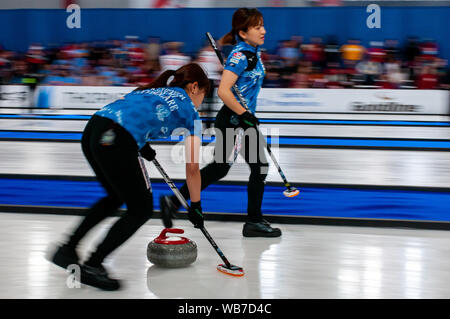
[(18, 96), (384, 96), (269, 100), (387, 103), (82, 96), (14, 95), (353, 101), (287, 99), (388, 107), (90, 97)]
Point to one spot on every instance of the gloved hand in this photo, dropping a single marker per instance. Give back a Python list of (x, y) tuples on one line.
[(148, 152), (247, 119), (195, 214)]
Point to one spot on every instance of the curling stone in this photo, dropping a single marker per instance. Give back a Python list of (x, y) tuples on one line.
[(172, 252)]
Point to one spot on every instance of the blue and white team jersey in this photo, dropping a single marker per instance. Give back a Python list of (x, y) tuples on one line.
[(154, 113), (249, 82)]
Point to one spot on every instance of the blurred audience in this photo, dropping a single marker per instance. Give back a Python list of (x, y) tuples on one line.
[(295, 63), (173, 58)]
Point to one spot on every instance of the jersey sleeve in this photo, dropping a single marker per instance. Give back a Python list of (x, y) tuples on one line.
[(236, 63)]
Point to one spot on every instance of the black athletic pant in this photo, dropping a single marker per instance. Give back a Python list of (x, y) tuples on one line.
[(254, 156), (208, 103), (113, 155)]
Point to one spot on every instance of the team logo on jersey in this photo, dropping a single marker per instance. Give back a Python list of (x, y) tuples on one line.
[(236, 57), (162, 112), (108, 138)]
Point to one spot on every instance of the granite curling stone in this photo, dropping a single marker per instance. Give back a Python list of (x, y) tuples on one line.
[(172, 252)]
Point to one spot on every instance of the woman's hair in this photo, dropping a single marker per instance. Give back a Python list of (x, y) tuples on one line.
[(243, 19), (188, 73)]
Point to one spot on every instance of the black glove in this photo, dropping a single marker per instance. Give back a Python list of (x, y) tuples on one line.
[(148, 152), (195, 214), (247, 119)]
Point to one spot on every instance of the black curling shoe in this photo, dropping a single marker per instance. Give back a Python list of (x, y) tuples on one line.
[(260, 229), (65, 256), (98, 277)]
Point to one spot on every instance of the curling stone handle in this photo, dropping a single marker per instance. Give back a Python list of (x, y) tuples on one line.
[(170, 230)]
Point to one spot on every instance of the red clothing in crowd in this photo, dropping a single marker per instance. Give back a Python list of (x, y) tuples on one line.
[(316, 52), (313, 52), (429, 50), (376, 54), (331, 75), (427, 81), (136, 56), (389, 85)]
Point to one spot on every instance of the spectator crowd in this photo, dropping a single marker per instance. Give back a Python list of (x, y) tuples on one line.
[(295, 63)]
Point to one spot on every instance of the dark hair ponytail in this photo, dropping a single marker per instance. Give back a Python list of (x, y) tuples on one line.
[(160, 81), (243, 18), (229, 38), (188, 73)]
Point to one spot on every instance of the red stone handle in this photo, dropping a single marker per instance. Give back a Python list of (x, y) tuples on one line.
[(169, 230)]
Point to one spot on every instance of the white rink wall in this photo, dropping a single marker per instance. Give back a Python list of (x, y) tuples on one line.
[(376, 101)]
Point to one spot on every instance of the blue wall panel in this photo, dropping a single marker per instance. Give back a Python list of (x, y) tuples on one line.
[(404, 205), (22, 27)]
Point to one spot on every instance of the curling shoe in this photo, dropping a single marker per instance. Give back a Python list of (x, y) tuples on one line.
[(65, 256), (260, 229), (98, 277)]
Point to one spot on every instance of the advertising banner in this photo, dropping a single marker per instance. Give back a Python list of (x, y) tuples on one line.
[(269, 100)]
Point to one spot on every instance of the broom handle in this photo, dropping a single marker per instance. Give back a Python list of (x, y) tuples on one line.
[(186, 206)]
